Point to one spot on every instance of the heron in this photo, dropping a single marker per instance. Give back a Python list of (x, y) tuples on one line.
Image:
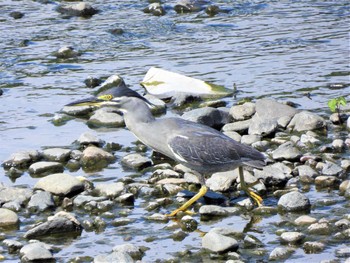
[(196, 146)]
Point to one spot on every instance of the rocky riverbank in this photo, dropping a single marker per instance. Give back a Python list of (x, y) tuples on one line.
[(308, 159)]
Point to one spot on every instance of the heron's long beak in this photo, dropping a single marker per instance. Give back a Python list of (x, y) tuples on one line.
[(91, 101)]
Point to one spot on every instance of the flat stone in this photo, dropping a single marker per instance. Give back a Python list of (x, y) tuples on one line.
[(219, 243), (14, 194), (292, 237), (60, 184), (40, 201), (233, 135), (94, 157), (136, 161), (12, 245), (21, 159), (106, 117), (242, 112), (221, 181), (332, 169), (56, 154), (80, 9), (305, 220), (306, 173), (319, 229), (81, 200), (208, 116), (44, 168), (286, 151), (250, 139), (313, 247), (239, 126), (306, 121), (77, 110), (114, 257), (294, 202), (35, 252), (322, 181), (110, 190), (272, 176), (8, 218), (130, 249), (87, 138), (280, 253)]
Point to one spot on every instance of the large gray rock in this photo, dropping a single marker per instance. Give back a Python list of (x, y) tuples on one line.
[(36, 252), (60, 184), (8, 218), (106, 117), (62, 222), (268, 114), (219, 243), (21, 159), (294, 202), (208, 116), (221, 181), (44, 168), (286, 151), (56, 154), (41, 201), (306, 121)]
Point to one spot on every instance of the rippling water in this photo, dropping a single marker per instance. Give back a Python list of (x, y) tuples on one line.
[(279, 49)]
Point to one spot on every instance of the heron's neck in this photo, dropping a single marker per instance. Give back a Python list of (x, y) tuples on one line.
[(138, 116)]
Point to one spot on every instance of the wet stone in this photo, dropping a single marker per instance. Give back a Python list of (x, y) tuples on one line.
[(239, 126), (14, 194), (272, 176), (221, 181), (87, 138), (313, 247), (343, 252), (280, 253), (331, 169), (60, 223), (294, 202), (292, 237), (233, 135), (56, 154), (214, 210), (250, 139), (12, 245), (133, 251), (338, 145), (179, 235), (342, 224), (208, 116), (136, 161), (252, 242), (306, 173), (110, 190), (155, 9), (44, 168), (242, 112), (127, 198), (319, 229), (77, 110), (60, 184), (96, 158), (188, 223), (305, 220), (345, 164), (306, 121), (36, 252), (8, 218), (323, 181), (40, 201), (286, 151), (21, 159), (114, 257), (79, 9), (344, 188), (106, 117), (219, 243)]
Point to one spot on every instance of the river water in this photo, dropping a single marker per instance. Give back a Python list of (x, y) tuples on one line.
[(278, 49)]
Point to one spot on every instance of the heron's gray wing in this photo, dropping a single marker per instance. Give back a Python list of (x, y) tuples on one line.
[(204, 148)]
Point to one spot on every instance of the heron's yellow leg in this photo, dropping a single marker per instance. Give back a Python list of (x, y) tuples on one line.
[(186, 205), (257, 198)]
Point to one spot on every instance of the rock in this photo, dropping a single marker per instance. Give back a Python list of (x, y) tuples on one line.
[(8, 218), (345, 165), (252, 242), (309, 138), (136, 161), (188, 223), (331, 169), (127, 198), (221, 181), (323, 181), (306, 121), (96, 158), (114, 257), (305, 220), (81, 200), (87, 138), (268, 112), (80, 9), (338, 145), (110, 190), (78, 110), (106, 117), (40, 201), (219, 243), (286, 151), (280, 253), (12, 245), (21, 159), (319, 229), (233, 135), (16, 15), (60, 223), (45, 168), (215, 210), (343, 252), (306, 173), (239, 126), (60, 184), (294, 202), (56, 154), (242, 112), (342, 224), (36, 252), (208, 116), (155, 9), (273, 175), (292, 237), (14, 194), (130, 249), (188, 6), (344, 188), (250, 139), (92, 82), (67, 52), (312, 247)]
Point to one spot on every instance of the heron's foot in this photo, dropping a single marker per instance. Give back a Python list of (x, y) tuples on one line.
[(257, 198), (176, 211), (186, 205)]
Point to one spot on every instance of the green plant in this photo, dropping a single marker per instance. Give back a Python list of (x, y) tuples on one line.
[(334, 105)]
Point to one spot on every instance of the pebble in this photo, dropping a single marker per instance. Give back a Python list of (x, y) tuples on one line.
[(305, 220), (21, 159), (12, 245), (252, 242), (331, 169), (40, 201), (56, 154), (292, 237), (214, 210), (77, 111), (344, 188), (250, 139), (155, 9), (280, 253), (87, 138), (294, 202), (133, 251), (272, 176), (306, 173), (14, 194), (323, 181), (319, 229), (36, 252), (110, 190), (67, 52), (313, 247), (96, 158), (45, 168), (219, 243), (242, 112), (136, 161), (60, 184), (114, 257), (306, 121), (338, 145), (208, 116), (106, 117), (286, 151), (8, 218), (239, 126), (80, 9)]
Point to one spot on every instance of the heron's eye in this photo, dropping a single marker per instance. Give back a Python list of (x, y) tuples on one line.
[(106, 97)]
